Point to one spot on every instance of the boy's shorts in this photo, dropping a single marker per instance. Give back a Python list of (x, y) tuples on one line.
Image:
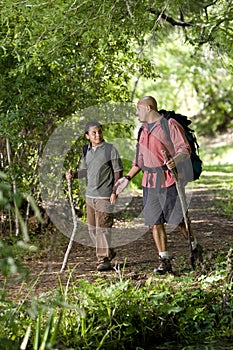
[(162, 205)]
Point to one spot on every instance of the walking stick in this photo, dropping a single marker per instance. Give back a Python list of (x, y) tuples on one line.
[(75, 225), (181, 195)]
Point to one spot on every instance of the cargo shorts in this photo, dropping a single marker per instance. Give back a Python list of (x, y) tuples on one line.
[(162, 205)]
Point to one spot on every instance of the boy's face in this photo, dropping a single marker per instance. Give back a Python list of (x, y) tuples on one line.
[(95, 135)]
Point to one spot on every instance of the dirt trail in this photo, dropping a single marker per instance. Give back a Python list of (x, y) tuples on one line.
[(214, 232)]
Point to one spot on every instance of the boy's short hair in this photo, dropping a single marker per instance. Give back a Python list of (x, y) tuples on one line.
[(90, 124)]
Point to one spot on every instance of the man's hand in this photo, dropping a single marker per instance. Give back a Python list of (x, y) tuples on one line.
[(171, 164), (121, 184)]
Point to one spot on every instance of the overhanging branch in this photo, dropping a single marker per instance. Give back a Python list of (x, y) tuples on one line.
[(171, 20)]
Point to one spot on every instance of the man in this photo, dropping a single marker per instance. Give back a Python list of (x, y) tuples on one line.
[(102, 167), (160, 197)]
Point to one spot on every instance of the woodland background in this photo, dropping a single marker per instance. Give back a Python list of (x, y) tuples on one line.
[(59, 58)]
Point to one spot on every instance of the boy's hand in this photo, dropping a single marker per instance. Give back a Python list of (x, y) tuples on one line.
[(69, 175), (113, 198)]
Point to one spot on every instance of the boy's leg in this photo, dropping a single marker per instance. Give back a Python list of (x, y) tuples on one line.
[(104, 222), (91, 219)]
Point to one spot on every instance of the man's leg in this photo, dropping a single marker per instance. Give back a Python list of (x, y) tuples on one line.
[(153, 201), (173, 215), (160, 239), (196, 247)]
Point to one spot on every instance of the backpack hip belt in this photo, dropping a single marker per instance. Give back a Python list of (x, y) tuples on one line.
[(157, 170)]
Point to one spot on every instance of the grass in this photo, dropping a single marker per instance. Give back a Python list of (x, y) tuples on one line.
[(116, 314), (219, 179)]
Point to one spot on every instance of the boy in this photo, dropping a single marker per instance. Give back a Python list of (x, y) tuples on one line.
[(102, 167)]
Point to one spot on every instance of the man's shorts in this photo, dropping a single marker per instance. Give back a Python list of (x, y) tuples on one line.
[(162, 205)]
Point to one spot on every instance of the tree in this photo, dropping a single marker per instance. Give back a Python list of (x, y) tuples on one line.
[(59, 57)]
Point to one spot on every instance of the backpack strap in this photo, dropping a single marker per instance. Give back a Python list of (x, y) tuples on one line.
[(108, 151), (137, 146), (166, 129), (84, 150)]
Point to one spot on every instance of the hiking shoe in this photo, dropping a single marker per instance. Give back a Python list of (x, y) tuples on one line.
[(164, 266), (197, 253), (104, 265), (112, 254)]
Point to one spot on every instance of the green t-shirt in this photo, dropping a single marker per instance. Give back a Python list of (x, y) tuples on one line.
[(101, 162)]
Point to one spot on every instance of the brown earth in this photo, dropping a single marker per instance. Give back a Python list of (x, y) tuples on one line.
[(139, 258)]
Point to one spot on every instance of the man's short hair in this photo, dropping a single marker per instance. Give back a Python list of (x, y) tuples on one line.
[(151, 102), (90, 124)]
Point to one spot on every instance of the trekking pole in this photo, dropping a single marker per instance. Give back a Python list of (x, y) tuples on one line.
[(184, 209), (75, 225)]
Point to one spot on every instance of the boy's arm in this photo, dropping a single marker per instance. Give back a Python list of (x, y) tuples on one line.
[(77, 174), (117, 176)]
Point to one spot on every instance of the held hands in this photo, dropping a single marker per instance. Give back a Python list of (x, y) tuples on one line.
[(113, 198), (121, 184)]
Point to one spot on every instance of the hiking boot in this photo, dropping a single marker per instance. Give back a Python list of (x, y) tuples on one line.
[(164, 266), (104, 265), (197, 254), (112, 254)]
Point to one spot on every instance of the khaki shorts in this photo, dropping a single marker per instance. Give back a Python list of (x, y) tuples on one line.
[(99, 212)]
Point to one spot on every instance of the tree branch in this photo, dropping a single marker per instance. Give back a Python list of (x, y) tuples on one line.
[(171, 20)]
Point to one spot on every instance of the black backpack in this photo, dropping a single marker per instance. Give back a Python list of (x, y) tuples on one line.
[(193, 173)]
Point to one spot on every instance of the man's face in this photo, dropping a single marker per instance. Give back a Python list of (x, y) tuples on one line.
[(95, 135), (142, 112)]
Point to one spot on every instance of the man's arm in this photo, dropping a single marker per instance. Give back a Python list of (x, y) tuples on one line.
[(133, 171)]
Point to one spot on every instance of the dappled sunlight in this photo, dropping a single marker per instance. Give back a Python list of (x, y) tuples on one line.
[(216, 173)]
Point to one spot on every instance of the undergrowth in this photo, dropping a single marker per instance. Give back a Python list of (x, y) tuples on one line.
[(194, 311), (116, 314)]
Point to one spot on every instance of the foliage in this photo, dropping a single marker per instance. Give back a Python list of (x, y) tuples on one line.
[(218, 178), (57, 58), (11, 201), (203, 91), (118, 315)]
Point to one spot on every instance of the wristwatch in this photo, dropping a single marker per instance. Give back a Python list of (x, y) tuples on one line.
[(128, 177)]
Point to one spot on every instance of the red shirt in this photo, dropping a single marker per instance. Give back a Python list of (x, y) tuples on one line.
[(151, 143)]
